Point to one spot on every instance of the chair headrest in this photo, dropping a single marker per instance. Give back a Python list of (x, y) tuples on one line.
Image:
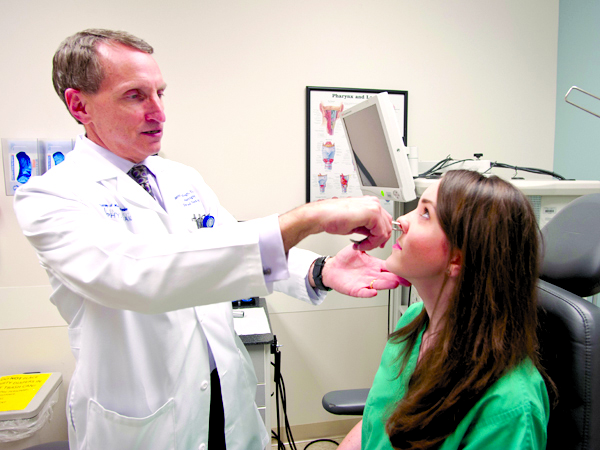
[(571, 247)]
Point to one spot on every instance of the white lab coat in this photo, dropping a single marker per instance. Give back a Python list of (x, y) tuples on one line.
[(143, 291)]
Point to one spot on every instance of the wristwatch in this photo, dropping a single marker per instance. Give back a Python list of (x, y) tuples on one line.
[(318, 273)]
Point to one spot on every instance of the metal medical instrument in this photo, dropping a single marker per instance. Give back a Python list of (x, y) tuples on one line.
[(395, 226)]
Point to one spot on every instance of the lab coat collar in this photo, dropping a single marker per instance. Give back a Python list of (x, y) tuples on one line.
[(99, 169)]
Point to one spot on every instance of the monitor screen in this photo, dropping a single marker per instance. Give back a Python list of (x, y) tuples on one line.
[(367, 143), (378, 149)]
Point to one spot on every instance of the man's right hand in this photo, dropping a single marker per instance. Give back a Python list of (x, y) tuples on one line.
[(362, 215)]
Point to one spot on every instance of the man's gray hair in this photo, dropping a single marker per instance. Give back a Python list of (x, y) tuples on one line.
[(76, 63)]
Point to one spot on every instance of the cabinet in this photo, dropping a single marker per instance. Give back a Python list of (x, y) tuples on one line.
[(257, 341)]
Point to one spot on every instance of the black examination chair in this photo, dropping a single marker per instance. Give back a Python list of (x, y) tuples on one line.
[(569, 331)]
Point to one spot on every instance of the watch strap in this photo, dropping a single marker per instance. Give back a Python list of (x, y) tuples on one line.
[(318, 273)]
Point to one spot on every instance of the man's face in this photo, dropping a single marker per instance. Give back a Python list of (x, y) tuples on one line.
[(126, 115)]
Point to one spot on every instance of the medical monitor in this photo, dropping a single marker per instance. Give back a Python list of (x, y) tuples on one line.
[(378, 151)]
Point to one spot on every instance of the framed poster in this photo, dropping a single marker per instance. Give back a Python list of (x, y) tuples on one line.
[(330, 172)]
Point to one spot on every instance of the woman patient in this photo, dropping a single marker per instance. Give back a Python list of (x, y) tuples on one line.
[(461, 371)]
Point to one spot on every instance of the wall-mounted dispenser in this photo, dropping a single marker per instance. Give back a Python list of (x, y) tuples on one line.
[(26, 158), (20, 157)]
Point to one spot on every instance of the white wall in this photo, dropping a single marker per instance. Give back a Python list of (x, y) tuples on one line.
[(481, 77)]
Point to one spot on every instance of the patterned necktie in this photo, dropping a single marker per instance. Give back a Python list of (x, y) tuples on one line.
[(140, 175)]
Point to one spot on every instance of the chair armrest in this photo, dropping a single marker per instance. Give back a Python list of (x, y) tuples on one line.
[(349, 402)]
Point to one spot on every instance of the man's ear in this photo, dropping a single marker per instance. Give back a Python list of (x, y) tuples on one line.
[(76, 102), (455, 263)]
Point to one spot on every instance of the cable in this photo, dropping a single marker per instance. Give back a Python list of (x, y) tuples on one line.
[(288, 429), (280, 394), (433, 172), (526, 169), (436, 166), (321, 440)]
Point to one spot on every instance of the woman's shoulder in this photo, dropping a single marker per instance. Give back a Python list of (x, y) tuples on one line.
[(524, 377), (520, 391), (513, 413)]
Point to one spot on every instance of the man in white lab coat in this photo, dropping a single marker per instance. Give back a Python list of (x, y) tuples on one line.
[(146, 293)]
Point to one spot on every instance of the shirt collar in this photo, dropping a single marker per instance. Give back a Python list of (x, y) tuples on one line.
[(121, 163)]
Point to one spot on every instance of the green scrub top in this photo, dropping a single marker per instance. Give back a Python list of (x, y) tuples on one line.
[(512, 414)]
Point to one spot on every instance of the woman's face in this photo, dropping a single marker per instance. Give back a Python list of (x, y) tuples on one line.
[(423, 251)]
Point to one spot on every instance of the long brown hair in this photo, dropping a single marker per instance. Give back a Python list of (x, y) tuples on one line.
[(491, 320)]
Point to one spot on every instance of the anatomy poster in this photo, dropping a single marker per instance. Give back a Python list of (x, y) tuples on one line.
[(329, 167)]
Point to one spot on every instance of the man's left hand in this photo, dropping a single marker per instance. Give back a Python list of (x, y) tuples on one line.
[(356, 273)]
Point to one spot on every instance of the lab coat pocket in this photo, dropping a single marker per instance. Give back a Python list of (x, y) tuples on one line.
[(110, 430)]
